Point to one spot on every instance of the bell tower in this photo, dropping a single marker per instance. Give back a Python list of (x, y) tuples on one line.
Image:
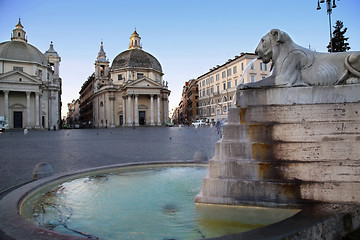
[(54, 59), (18, 33), (135, 41), (101, 68)]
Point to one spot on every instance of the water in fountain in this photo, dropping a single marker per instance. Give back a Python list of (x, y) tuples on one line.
[(155, 203)]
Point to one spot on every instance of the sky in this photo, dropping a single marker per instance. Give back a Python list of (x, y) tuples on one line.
[(188, 37)]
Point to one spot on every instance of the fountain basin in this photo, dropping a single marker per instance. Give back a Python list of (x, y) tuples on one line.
[(148, 201)]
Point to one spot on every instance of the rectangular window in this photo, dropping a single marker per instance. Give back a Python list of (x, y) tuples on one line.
[(229, 84), (140, 75), (224, 85), (217, 77), (207, 81), (207, 92), (252, 78), (119, 77), (242, 66), (212, 79), (235, 82), (235, 69), (223, 74), (229, 72), (252, 67), (212, 90), (203, 93), (263, 67), (203, 83), (218, 89)]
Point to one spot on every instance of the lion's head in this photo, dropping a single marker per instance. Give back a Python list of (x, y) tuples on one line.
[(265, 49)]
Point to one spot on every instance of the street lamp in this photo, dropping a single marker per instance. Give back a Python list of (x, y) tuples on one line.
[(329, 6)]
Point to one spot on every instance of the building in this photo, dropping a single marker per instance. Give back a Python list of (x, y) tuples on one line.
[(86, 108), (218, 86), (132, 91), (188, 106), (192, 98), (30, 85), (73, 115)]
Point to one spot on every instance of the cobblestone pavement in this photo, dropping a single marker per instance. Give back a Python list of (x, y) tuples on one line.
[(69, 150)]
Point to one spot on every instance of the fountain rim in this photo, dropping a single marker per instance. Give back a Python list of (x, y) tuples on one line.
[(10, 204)]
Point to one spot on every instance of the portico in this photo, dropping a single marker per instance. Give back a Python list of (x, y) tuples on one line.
[(21, 109), (139, 114)]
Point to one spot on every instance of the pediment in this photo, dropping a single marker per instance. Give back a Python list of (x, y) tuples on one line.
[(19, 77), (144, 83)]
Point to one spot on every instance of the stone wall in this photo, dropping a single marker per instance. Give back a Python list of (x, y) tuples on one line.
[(284, 146)]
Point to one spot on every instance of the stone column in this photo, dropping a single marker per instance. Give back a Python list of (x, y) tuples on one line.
[(112, 124), (37, 110), (152, 110), (158, 110), (28, 110), (129, 110), (124, 111), (56, 110), (50, 116), (136, 110), (166, 110), (6, 105)]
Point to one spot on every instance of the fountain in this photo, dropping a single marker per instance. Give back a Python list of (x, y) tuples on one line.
[(293, 137), (146, 201)]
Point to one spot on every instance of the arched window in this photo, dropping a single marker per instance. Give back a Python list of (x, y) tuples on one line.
[(19, 35), (101, 104)]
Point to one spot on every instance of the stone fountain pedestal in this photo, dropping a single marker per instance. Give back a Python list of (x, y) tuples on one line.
[(285, 146)]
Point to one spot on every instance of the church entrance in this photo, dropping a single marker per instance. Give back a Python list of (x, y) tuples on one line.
[(142, 120), (121, 118), (18, 120)]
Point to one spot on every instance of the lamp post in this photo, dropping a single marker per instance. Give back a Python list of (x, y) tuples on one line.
[(329, 6)]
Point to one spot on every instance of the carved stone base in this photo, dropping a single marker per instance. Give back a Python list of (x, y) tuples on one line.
[(276, 150)]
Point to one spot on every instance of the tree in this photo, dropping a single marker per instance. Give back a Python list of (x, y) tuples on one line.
[(339, 43)]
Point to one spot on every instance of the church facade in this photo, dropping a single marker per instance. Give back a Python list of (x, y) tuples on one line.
[(30, 85), (130, 92)]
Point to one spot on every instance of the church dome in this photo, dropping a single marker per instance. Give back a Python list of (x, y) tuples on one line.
[(136, 58), (21, 51)]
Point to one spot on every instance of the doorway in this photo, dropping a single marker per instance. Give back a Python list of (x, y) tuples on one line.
[(142, 120), (18, 119), (121, 117)]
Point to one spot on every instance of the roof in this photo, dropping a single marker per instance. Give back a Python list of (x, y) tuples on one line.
[(21, 51), (136, 58)]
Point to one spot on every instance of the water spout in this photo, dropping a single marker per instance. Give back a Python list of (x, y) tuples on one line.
[(242, 80), (246, 69)]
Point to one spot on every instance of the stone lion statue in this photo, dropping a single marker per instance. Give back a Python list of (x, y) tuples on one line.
[(293, 65)]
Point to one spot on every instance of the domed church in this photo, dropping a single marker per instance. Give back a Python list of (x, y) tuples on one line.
[(30, 86), (130, 92)]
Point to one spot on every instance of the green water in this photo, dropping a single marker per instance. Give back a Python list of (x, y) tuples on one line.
[(141, 203)]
